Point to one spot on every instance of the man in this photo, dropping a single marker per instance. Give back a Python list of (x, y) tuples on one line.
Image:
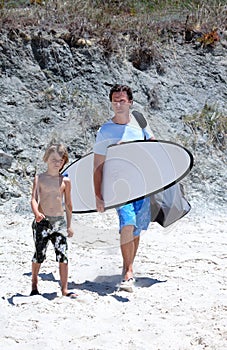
[(133, 217)]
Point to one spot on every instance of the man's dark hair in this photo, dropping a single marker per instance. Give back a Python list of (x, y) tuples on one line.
[(120, 88)]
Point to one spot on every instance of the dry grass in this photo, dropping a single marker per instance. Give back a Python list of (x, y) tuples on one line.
[(96, 17), (126, 28), (211, 124)]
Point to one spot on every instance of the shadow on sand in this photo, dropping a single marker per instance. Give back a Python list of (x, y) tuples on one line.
[(107, 285), (102, 285), (42, 276)]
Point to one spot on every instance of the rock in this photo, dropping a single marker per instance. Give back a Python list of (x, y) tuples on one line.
[(5, 160), (224, 35), (224, 43)]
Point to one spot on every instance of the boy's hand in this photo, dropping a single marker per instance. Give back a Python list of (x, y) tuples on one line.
[(39, 217), (70, 231)]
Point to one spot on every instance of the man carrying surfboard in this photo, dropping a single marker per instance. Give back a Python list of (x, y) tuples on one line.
[(133, 217)]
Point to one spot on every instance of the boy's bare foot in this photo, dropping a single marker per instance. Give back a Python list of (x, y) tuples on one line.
[(34, 292)]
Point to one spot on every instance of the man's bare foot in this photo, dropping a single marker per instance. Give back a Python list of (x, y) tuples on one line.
[(127, 285), (71, 295), (127, 276)]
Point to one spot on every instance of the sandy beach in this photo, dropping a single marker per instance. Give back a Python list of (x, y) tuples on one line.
[(179, 300)]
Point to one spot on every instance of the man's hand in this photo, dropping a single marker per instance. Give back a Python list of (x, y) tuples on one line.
[(100, 205)]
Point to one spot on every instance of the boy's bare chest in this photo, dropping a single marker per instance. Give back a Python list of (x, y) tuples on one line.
[(50, 186)]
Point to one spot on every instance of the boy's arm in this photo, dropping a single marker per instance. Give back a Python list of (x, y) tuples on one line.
[(68, 206), (34, 201)]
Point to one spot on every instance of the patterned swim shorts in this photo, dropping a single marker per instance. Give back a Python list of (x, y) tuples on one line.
[(47, 230), (137, 213)]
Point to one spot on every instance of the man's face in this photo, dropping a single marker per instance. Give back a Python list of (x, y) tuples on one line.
[(120, 102)]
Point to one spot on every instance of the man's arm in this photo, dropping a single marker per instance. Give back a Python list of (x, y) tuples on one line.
[(68, 206), (99, 161)]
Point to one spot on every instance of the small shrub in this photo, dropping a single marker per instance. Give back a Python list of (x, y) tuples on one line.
[(211, 124), (209, 39)]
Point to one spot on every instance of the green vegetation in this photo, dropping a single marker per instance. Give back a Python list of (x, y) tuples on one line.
[(127, 28), (210, 124), (95, 17)]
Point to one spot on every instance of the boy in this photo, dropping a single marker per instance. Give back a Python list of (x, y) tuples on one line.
[(49, 190)]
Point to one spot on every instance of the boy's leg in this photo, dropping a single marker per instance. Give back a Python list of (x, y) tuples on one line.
[(63, 271), (61, 250), (35, 272), (41, 241)]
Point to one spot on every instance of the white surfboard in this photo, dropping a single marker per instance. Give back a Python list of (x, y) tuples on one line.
[(132, 170)]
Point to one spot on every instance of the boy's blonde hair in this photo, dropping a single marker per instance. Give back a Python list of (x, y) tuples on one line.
[(60, 149)]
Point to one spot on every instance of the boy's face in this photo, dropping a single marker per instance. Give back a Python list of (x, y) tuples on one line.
[(55, 161)]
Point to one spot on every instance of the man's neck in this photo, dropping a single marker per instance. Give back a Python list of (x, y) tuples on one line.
[(121, 119)]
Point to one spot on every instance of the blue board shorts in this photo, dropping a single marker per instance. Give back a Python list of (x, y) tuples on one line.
[(137, 213)]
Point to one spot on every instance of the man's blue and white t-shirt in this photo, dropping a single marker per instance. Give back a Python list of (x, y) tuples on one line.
[(111, 133)]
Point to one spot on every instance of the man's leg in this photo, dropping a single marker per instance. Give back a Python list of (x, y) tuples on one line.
[(129, 246), (136, 245)]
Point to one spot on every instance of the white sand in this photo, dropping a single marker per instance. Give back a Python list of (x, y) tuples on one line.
[(179, 301)]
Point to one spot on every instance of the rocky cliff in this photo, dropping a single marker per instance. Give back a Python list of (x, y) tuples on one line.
[(52, 89)]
